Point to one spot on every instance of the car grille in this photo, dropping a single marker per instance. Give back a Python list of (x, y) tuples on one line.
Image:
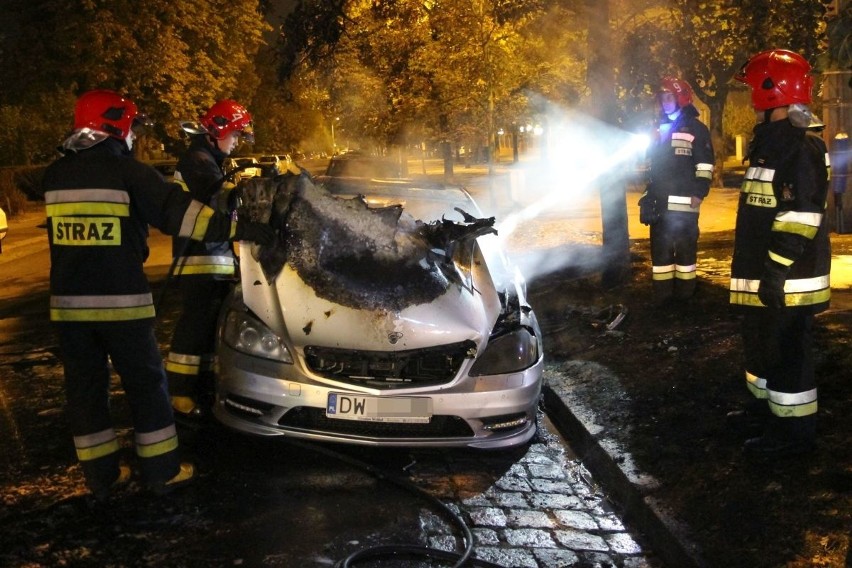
[(314, 419), (390, 369)]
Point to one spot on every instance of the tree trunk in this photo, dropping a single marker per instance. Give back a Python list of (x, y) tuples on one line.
[(717, 135), (601, 81)]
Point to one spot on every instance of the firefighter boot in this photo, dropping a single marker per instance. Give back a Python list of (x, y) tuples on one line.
[(784, 437), (750, 419), (185, 405), (684, 288), (187, 411), (184, 475), (663, 292), (102, 494)]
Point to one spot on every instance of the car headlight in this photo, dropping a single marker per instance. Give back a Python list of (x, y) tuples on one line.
[(248, 335), (508, 353)]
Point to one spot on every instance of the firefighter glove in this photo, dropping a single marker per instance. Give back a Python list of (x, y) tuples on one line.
[(260, 233), (771, 290), (649, 212)]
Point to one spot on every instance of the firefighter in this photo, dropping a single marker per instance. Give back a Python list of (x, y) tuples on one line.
[(205, 270), (99, 202), (782, 259), (681, 168)]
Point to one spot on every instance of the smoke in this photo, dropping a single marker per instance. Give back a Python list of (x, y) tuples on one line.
[(547, 206)]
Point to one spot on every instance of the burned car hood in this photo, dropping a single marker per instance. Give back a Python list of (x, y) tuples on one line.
[(345, 275), (293, 309)]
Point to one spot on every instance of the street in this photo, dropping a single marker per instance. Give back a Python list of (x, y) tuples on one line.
[(263, 502)]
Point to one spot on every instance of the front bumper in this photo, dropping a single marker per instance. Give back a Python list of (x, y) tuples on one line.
[(267, 398)]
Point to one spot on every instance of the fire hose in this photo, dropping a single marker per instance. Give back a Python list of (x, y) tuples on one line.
[(399, 550)]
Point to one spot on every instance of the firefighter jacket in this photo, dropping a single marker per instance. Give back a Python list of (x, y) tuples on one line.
[(99, 204), (199, 171), (681, 162), (781, 218)]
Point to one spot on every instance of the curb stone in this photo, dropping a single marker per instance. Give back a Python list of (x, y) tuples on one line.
[(614, 468)]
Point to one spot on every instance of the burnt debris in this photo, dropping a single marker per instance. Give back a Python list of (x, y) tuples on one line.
[(355, 255)]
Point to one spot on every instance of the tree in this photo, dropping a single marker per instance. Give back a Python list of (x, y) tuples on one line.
[(284, 115), (839, 32), (707, 42), (174, 57), (443, 70)]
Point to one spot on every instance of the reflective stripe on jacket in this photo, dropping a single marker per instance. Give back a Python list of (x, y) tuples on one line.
[(199, 171), (781, 218), (682, 160), (99, 205)]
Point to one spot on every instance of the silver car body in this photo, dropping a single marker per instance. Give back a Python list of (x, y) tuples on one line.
[(341, 385), (246, 167)]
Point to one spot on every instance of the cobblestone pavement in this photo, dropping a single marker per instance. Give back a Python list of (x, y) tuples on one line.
[(543, 511)]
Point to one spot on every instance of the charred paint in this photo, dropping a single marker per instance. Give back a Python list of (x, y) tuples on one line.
[(355, 255)]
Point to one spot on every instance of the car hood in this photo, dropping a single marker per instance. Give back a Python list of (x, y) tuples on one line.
[(465, 311), (341, 274)]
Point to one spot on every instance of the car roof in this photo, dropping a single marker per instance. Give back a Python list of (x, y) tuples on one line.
[(361, 165)]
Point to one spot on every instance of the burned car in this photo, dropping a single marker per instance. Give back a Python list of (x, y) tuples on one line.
[(386, 314)]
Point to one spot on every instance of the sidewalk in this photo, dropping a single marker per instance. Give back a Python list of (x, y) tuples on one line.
[(24, 229)]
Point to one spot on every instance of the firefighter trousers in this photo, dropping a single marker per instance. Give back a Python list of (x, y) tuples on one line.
[(189, 364), (674, 252), (778, 346), (87, 350)]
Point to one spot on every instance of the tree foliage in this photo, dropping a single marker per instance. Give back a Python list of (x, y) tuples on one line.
[(440, 70), (707, 42), (388, 71), (174, 57), (838, 56)]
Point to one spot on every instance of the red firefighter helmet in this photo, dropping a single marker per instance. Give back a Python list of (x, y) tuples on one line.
[(227, 116), (680, 88), (107, 111), (777, 77)]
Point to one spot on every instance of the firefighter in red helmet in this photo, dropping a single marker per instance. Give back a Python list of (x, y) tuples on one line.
[(100, 202), (205, 270), (681, 168), (782, 258)]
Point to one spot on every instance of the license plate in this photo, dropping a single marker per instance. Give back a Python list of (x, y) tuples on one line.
[(379, 409)]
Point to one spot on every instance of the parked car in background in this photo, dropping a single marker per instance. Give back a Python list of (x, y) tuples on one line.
[(248, 167), (459, 368), (360, 165), (270, 165)]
